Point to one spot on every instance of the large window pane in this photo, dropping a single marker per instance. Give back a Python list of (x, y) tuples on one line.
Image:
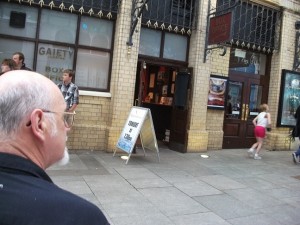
[(247, 61), (95, 32), (150, 42), (175, 47), (255, 99), (14, 25), (58, 26), (53, 59), (92, 69), (8, 47)]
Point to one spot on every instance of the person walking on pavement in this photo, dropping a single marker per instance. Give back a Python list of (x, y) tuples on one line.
[(260, 122), (69, 90), (296, 133), (19, 58), (33, 132)]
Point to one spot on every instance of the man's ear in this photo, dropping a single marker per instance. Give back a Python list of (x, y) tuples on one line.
[(38, 124)]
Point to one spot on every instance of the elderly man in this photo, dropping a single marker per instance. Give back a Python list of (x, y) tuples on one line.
[(33, 132)]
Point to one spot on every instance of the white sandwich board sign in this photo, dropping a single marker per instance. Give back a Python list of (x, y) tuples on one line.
[(139, 123)]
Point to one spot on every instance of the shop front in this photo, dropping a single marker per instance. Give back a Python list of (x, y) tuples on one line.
[(163, 83), (156, 61)]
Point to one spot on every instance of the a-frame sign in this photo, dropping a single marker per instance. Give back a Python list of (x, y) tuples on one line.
[(139, 123)]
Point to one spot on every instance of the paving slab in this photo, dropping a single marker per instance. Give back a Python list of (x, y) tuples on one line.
[(228, 188)]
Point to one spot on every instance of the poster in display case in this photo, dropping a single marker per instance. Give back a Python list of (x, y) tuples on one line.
[(289, 98), (216, 93)]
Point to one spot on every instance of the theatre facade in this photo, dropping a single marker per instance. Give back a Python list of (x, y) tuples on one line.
[(201, 67)]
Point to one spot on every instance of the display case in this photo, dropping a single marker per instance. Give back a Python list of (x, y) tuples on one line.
[(216, 92), (289, 98)]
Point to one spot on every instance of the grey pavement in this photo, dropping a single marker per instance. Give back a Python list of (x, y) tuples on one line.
[(186, 189)]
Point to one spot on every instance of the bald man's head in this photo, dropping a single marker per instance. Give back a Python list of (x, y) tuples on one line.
[(20, 93)]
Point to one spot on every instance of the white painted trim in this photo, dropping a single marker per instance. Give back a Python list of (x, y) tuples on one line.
[(95, 93)]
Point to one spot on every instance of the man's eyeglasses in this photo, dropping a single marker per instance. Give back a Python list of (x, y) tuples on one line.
[(68, 117)]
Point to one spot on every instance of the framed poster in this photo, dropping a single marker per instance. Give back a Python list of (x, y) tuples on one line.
[(289, 98), (216, 92), (152, 79)]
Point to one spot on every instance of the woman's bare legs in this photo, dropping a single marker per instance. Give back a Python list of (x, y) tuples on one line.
[(255, 148), (259, 144)]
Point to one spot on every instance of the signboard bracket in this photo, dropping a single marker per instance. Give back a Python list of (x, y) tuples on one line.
[(209, 50)]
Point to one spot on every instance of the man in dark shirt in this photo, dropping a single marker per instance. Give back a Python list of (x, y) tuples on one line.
[(19, 59), (33, 132)]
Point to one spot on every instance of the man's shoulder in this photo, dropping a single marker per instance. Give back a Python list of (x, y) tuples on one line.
[(73, 85), (25, 68), (64, 204), (72, 204)]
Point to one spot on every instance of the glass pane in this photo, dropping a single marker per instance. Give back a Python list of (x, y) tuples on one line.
[(95, 32), (150, 42), (8, 47), (13, 25), (234, 100), (175, 47), (247, 62), (53, 59), (58, 26), (92, 69), (255, 99)]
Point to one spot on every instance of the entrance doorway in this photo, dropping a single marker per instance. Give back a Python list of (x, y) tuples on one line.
[(164, 90), (246, 92)]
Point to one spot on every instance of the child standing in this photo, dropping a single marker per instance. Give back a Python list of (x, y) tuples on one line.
[(261, 121)]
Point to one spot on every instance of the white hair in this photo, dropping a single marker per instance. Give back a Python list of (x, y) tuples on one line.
[(18, 100)]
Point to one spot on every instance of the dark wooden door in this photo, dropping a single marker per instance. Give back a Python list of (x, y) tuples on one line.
[(179, 119), (245, 94)]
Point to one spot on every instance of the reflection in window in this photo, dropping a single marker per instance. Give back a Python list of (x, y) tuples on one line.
[(255, 99), (95, 32), (9, 47), (234, 99), (247, 61), (92, 70), (175, 47), (52, 60), (57, 26), (150, 42), (31, 15)]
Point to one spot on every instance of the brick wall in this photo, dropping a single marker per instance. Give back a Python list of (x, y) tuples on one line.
[(283, 59)]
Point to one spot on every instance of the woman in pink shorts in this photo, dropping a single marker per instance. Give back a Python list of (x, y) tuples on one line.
[(261, 121)]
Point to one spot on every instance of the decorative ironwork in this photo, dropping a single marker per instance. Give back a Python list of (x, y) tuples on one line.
[(171, 15), (255, 26), (107, 8), (138, 7), (211, 13), (297, 50)]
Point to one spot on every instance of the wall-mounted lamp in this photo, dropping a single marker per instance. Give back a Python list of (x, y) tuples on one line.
[(144, 65), (128, 50)]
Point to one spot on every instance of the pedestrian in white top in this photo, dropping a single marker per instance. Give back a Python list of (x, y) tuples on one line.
[(261, 122)]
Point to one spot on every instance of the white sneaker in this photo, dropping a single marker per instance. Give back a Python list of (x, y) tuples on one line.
[(257, 157), (251, 152)]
